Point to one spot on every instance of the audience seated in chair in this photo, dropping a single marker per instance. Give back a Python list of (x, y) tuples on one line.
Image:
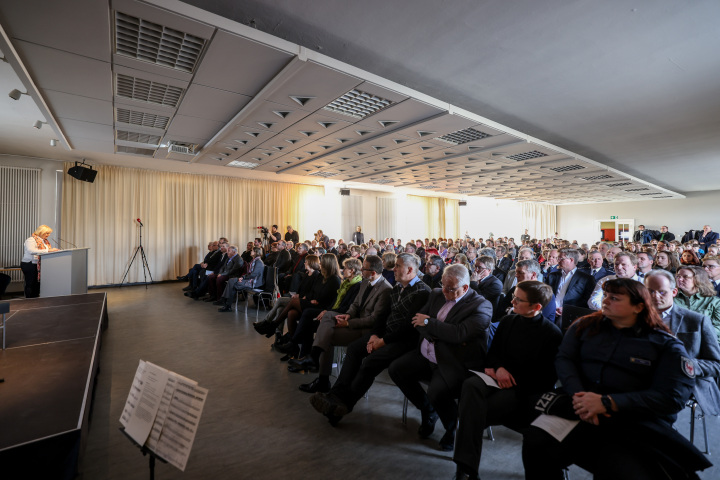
[(371, 304), (453, 340), (254, 279), (521, 362), (391, 337)]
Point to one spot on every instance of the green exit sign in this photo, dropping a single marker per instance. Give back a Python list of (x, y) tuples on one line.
[(613, 217)]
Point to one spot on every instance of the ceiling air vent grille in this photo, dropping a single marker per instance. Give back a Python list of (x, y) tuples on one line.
[(145, 152), (323, 174), (137, 137), (141, 118), (652, 193), (358, 104), (383, 181), (147, 91), (597, 177), (527, 155), (566, 168), (150, 42), (239, 164), (463, 136), (428, 187), (464, 192), (622, 184), (636, 189)]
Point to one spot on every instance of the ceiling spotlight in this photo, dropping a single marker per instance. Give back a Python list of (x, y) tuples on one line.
[(15, 94), (39, 124), (53, 142)]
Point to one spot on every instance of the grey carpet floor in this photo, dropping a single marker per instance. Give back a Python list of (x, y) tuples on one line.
[(256, 423)]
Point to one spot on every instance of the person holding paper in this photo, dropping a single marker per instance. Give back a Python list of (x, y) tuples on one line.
[(30, 265), (519, 367), (627, 377)]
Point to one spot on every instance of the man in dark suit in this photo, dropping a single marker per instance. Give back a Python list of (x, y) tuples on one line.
[(707, 238), (711, 264), (483, 282), (570, 285), (230, 269), (664, 235), (291, 280), (392, 336), (283, 260), (371, 303), (524, 253), (433, 268), (194, 275), (203, 281), (697, 334), (596, 266), (453, 329), (503, 264)]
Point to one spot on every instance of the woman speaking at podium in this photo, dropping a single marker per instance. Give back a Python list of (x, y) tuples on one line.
[(37, 243)]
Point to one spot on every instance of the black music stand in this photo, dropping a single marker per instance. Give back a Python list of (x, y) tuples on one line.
[(143, 259), (145, 451)]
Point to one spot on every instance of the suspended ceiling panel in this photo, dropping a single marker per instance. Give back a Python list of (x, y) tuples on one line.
[(136, 78)]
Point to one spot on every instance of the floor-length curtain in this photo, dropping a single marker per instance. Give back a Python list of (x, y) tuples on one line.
[(432, 217), (387, 218), (351, 216), (181, 213), (540, 219)]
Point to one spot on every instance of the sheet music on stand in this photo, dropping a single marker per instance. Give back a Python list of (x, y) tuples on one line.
[(162, 413)]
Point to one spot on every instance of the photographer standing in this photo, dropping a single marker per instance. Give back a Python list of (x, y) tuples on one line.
[(275, 236)]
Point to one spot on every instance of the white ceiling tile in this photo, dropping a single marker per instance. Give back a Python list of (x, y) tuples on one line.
[(65, 72), (78, 129), (78, 107), (211, 103), (239, 65), (184, 125), (53, 24)]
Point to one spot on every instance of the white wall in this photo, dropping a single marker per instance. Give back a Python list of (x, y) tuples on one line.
[(576, 222), (484, 215)]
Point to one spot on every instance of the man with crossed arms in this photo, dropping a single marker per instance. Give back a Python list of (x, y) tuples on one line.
[(372, 302)]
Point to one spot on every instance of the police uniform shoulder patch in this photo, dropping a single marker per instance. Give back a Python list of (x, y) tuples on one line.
[(687, 366)]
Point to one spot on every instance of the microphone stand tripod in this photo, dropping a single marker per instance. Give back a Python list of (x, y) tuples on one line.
[(143, 259)]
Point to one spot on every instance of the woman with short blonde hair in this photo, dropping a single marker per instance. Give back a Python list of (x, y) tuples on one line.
[(34, 245)]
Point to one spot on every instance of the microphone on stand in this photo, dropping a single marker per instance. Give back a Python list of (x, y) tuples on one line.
[(141, 224)]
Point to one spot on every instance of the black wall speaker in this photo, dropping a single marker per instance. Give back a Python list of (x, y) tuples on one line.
[(82, 173), (462, 203), (345, 191)]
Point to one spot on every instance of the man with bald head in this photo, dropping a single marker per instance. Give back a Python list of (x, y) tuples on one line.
[(453, 329)]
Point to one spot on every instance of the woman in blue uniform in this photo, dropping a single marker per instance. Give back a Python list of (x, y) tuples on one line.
[(626, 378)]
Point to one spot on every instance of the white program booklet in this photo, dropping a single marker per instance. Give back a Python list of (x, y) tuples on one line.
[(489, 381), (558, 427)]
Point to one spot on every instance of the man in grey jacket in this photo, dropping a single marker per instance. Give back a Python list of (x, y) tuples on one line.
[(697, 334), (372, 302)]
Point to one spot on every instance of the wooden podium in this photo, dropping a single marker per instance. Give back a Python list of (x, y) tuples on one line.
[(63, 272)]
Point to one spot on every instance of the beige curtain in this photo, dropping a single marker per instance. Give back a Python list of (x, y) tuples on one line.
[(181, 213), (432, 217), (540, 219)]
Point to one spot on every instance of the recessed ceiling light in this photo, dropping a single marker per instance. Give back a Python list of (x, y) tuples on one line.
[(239, 164)]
